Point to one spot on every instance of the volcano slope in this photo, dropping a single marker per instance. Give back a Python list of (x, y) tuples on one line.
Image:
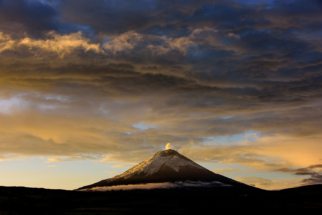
[(169, 166)]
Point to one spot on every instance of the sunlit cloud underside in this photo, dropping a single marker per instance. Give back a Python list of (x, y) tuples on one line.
[(227, 83)]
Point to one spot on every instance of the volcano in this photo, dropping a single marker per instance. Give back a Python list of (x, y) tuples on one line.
[(168, 166)]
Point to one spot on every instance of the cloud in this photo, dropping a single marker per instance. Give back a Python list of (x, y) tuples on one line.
[(316, 178), (302, 171), (269, 184), (112, 172), (28, 16), (314, 171), (60, 44), (63, 159), (6, 43), (160, 45), (35, 18), (225, 170), (136, 16), (223, 81), (166, 185), (233, 35), (121, 166)]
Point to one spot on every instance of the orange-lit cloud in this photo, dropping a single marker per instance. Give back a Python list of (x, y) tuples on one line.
[(120, 166), (60, 44)]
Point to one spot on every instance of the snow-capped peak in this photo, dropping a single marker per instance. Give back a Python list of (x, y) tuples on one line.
[(152, 165)]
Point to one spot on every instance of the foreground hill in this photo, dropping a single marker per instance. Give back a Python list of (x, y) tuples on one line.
[(169, 166), (20, 200)]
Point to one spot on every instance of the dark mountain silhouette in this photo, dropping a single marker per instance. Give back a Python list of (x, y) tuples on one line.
[(168, 166), (39, 201)]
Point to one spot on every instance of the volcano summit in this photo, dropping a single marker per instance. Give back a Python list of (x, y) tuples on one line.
[(168, 166)]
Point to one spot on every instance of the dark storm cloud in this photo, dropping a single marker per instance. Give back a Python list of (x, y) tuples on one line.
[(31, 16), (159, 17), (121, 16), (191, 70), (34, 17)]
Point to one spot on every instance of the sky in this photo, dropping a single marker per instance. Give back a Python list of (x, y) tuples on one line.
[(90, 88)]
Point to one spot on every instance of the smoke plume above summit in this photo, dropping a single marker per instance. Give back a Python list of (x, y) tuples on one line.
[(168, 146)]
